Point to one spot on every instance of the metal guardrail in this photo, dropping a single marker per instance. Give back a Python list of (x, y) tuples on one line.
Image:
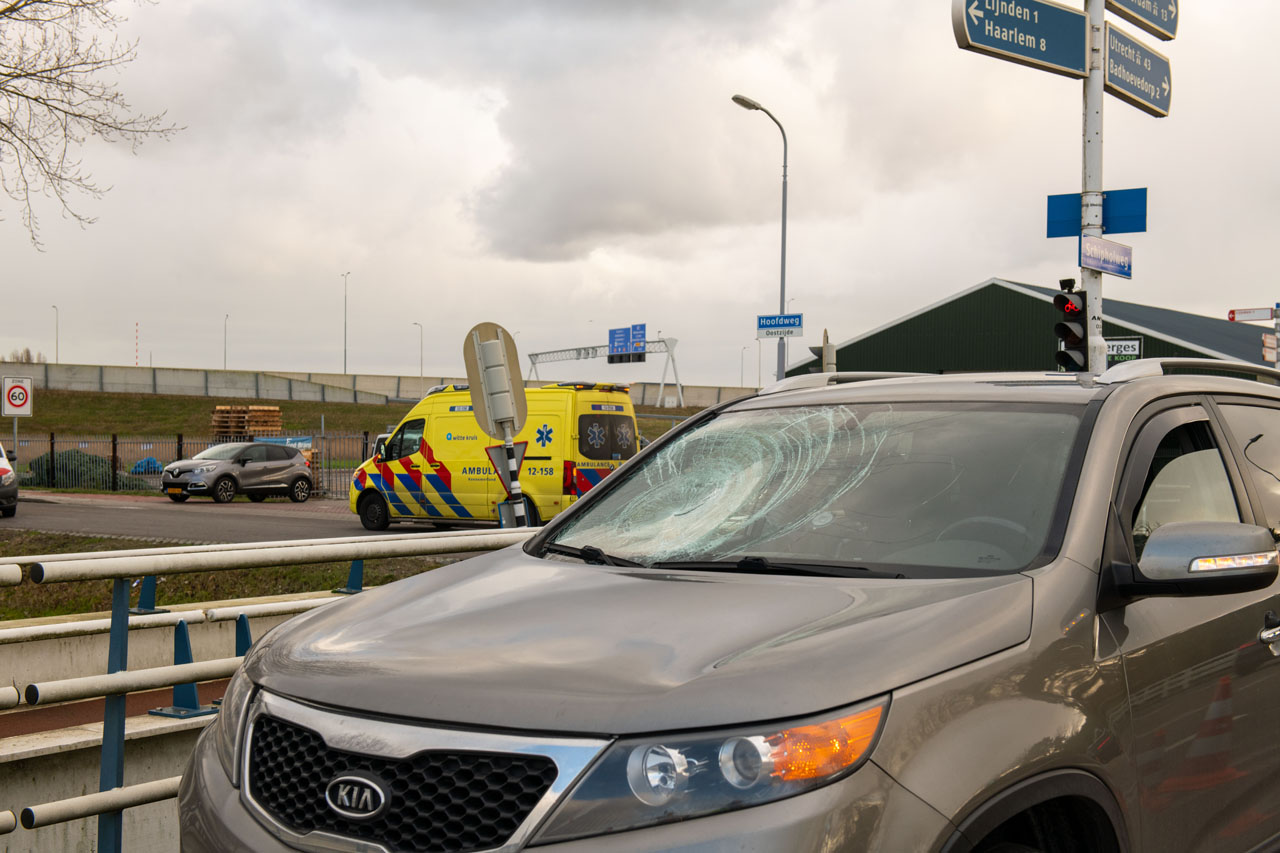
[(121, 567)]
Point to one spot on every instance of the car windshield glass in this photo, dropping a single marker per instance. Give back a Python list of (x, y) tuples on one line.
[(220, 451), (955, 485)]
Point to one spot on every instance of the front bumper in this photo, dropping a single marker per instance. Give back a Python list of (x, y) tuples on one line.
[(184, 487), (867, 811)]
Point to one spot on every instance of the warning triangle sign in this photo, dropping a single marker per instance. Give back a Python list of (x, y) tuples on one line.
[(498, 458)]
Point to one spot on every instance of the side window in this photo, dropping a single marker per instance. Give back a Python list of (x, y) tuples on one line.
[(407, 440), (1185, 481), (606, 436), (1257, 432), (278, 453), (255, 453)]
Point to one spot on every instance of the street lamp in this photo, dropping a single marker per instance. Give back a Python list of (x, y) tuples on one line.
[(419, 325), (344, 322), (748, 104), (742, 368), (55, 333), (225, 318)]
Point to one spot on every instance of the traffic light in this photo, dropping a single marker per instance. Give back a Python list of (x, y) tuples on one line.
[(1072, 330)]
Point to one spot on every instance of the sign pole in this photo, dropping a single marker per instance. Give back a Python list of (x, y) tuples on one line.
[(1091, 195)]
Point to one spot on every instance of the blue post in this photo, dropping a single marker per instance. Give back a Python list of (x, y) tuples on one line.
[(186, 701), (243, 639), (111, 772), (355, 579), (147, 598)]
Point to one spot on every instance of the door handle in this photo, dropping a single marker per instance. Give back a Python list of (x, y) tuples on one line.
[(1270, 633)]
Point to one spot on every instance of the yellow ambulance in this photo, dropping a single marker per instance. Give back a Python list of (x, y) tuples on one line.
[(435, 465)]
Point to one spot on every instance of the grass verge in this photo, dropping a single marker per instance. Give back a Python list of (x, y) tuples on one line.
[(28, 600)]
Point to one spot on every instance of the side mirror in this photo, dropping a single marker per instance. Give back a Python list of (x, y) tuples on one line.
[(1201, 558), (243, 460), (380, 448)]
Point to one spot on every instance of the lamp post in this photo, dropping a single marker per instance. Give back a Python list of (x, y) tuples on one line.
[(55, 333), (742, 368), (225, 318), (419, 325), (748, 104), (344, 322)]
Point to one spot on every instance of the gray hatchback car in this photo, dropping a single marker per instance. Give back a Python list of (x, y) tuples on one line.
[(990, 613), (257, 469)]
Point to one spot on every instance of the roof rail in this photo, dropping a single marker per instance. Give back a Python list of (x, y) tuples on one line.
[(822, 380), (1142, 368)]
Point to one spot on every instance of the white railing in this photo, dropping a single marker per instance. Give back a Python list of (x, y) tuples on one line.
[(122, 566)]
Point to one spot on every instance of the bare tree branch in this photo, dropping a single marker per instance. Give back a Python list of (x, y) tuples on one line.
[(54, 55)]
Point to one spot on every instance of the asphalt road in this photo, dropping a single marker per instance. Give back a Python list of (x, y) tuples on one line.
[(196, 521)]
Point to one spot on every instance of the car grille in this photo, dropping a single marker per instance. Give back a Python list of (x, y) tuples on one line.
[(451, 802)]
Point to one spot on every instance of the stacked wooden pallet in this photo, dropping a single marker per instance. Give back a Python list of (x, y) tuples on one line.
[(246, 420)]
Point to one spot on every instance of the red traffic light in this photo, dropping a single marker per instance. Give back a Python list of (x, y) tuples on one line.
[(1071, 304)]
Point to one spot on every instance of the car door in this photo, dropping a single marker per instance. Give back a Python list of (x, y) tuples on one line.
[(254, 470), (1202, 702), (279, 460), (399, 480), (458, 475)]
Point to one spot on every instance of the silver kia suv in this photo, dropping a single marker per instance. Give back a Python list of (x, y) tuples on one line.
[(998, 613)]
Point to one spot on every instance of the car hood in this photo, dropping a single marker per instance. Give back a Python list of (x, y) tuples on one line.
[(512, 641)]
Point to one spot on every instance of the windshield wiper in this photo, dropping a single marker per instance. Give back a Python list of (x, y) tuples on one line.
[(589, 554), (765, 566)]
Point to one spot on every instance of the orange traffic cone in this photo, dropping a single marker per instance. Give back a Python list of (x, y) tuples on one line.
[(1208, 761)]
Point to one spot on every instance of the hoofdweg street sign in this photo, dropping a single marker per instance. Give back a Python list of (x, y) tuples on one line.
[(779, 325)]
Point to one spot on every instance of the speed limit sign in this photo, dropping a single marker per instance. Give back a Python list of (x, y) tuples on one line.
[(17, 397)]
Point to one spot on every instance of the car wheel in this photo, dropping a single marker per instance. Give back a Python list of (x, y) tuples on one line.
[(224, 491), (257, 497), (300, 490), (8, 511), (178, 498), (373, 512)]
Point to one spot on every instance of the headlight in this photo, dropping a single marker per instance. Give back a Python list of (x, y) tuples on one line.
[(664, 778), (230, 722), (7, 478), (204, 469)]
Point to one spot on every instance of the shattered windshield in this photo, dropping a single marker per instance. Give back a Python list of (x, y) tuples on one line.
[(969, 486)]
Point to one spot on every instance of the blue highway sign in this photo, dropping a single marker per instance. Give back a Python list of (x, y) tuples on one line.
[(779, 325), (1123, 211), (1036, 33), (620, 341), (637, 337), (1137, 74), (1158, 17), (1105, 256)]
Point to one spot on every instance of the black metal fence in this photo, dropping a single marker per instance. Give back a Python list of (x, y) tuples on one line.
[(119, 463)]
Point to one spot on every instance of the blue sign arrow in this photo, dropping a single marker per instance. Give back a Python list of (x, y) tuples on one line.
[(1137, 74), (1122, 211), (1158, 17), (1036, 33)]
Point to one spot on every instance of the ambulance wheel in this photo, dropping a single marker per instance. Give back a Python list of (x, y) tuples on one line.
[(300, 490), (178, 498), (224, 491), (373, 512), (531, 517)]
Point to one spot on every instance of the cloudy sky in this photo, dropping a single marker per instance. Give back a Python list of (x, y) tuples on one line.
[(562, 167)]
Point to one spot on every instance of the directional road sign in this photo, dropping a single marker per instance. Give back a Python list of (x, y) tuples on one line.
[(1158, 17), (1269, 354), (1123, 211), (779, 325), (1137, 74), (1268, 340), (1036, 33), (1106, 256), (1247, 315)]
